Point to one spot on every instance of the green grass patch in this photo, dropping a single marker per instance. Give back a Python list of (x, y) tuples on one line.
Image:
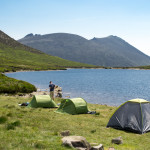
[(30, 128), (12, 125), (3, 119), (13, 86), (16, 57)]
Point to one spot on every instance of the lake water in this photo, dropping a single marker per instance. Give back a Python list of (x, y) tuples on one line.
[(98, 86)]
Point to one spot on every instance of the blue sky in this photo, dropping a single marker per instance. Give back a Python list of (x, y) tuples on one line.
[(128, 19)]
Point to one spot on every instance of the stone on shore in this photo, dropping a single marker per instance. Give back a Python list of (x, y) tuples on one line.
[(111, 148), (65, 133), (117, 140), (99, 147), (77, 142)]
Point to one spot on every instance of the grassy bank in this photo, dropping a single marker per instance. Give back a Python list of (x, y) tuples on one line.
[(27, 128), (13, 86), (18, 58), (15, 57)]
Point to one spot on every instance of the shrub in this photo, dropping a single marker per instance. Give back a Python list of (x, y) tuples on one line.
[(3, 119), (13, 86), (93, 131), (11, 126), (39, 145), (10, 114), (97, 114), (16, 123)]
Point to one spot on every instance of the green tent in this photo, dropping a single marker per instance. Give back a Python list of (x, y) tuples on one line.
[(42, 101), (73, 106)]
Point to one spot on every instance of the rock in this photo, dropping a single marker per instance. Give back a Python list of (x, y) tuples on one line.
[(80, 148), (6, 94), (65, 133), (111, 148), (38, 90), (21, 94), (117, 140), (30, 95), (77, 142), (58, 88), (59, 95), (58, 91), (67, 96), (44, 93), (99, 147)]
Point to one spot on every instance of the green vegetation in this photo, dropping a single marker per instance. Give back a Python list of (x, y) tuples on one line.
[(15, 57), (13, 86), (144, 67), (30, 128), (18, 58)]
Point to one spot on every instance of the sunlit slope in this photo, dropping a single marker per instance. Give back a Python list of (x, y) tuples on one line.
[(15, 56)]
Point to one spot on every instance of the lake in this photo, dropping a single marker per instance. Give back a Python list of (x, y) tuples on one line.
[(98, 86)]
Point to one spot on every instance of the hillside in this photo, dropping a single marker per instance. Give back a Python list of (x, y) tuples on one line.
[(111, 51), (15, 56)]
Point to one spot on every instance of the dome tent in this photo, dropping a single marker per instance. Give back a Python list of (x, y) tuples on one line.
[(133, 115), (42, 101), (73, 106)]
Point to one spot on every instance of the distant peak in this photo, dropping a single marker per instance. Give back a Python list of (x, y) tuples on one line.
[(31, 35), (94, 38), (113, 36)]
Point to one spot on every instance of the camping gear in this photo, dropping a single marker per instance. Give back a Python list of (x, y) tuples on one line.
[(73, 106), (24, 104), (133, 115), (42, 101)]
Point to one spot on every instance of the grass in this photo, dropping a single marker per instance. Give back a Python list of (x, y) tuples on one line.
[(30, 128), (12, 86), (18, 58), (144, 67)]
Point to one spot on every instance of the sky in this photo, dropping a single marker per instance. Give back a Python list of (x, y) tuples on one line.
[(127, 19)]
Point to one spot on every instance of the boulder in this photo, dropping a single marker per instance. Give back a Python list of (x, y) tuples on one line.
[(99, 147), (77, 142), (65, 133), (30, 95), (117, 140), (58, 91), (6, 94), (44, 93), (111, 148), (21, 94), (58, 88)]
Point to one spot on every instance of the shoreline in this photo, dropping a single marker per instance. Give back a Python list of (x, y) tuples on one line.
[(30, 95), (46, 91), (73, 68)]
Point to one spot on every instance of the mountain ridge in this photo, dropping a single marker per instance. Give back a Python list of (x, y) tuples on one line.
[(16, 56), (111, 51)]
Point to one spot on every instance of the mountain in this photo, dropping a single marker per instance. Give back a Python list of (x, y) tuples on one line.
[(110, 51), (16, 56)]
